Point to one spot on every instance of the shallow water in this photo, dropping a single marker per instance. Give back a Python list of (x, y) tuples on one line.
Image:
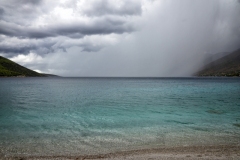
[(59, 116)]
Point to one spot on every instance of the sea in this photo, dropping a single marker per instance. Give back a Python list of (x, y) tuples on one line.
[(86, 116)]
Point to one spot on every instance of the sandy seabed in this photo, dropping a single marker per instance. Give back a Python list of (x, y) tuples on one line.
[(220, 152)]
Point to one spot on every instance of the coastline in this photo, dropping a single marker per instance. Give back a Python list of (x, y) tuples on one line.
[(168, 153)]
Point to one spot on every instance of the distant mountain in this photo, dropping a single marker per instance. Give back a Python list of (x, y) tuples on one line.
[(228, 65), (211, 57), (9, 68)]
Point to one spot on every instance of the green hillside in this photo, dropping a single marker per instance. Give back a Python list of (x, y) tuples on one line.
[(228, 65), (9, 68)]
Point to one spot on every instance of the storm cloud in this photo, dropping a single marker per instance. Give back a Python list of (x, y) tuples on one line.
[(117, 37), (77, 29), (70, 19)]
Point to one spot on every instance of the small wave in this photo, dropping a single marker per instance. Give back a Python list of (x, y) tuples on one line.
[(178, 122), (215, 111), (200, 129), (236, 124)]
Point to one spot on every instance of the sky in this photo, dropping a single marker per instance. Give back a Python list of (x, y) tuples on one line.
[(117, 38)]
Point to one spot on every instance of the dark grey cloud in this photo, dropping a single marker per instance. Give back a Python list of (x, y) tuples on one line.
[(103, 26), (1, 12), (14, 30), (105, 7), (40, 47), (22, 11), (20, 49), (76, 31), (33, 2), (91, 48)]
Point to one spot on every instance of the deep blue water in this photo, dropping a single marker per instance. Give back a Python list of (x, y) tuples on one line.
[(55, 116)]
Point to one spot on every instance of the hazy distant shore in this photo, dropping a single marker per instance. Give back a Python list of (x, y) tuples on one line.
[(170, 153)]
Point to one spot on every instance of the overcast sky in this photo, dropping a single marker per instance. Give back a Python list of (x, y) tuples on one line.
[(117, 37)]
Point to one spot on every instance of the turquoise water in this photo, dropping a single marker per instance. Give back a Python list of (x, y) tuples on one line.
[(59, 116)]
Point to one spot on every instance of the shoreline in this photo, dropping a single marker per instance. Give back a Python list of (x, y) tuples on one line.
[(170, 153)]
